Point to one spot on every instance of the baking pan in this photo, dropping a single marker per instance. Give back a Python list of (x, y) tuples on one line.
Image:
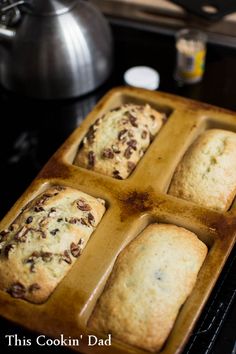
[(131, 204)]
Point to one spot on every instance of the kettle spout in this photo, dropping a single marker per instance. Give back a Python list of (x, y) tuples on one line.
[(6, 34)]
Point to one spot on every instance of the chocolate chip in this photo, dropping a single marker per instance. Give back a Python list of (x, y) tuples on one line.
[(31, 259), (54, 232), (158, 274), (29, 220), (34, 287), (91, 159), (59, 219), (116, 174), (75, 250), (108, 153), (81, 241), (152, 117), (17, 290)]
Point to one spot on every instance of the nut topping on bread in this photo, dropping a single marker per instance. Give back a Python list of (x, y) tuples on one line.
[(45, 240), (122, 134)]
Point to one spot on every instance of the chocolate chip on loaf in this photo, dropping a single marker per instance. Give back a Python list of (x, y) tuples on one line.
[(54, 232), (17, 290), (34, 287), (116, 174), (29, 220)]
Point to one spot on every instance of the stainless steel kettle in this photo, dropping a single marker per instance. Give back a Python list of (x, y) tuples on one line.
[(53, 49)]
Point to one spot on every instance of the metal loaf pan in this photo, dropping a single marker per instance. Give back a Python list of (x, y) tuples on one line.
[(132, 204)]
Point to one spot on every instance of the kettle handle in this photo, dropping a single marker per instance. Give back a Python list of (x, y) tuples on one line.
[(11, 6), (6, 33)]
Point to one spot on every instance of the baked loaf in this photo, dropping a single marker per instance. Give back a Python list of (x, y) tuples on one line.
[(150, 281), (45, 240), (207, 173), (116, 142)]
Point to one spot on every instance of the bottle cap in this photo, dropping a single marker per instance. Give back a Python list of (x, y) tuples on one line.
[(142, 76)]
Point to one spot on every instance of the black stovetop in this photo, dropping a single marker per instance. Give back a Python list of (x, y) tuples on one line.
[(32, 130)]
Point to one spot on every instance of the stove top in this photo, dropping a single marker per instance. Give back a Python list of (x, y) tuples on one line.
[(32, 130)]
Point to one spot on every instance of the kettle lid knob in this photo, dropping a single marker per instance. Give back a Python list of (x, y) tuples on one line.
[(50, 7)]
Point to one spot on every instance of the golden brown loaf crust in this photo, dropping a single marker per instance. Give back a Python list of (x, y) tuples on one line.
[(116, 142), (150, 281), (45, 240), (207, 173)]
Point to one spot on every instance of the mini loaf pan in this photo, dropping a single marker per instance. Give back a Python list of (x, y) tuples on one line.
[(131, 205)]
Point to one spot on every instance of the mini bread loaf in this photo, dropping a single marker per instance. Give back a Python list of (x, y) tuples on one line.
[(40, 246), (207, 173), (151, 279), (116, 142)]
